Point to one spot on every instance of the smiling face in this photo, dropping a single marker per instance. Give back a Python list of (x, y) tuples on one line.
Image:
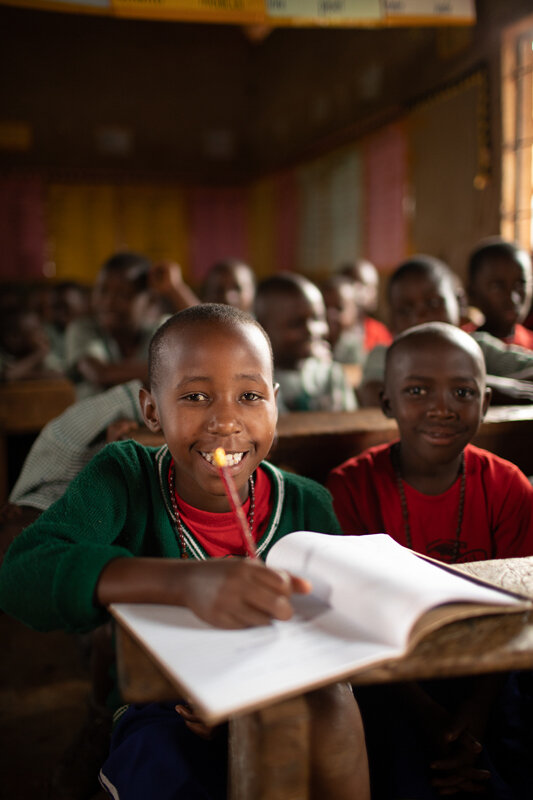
[(295, 321), (501, 289), (214, 389), (435, 389)]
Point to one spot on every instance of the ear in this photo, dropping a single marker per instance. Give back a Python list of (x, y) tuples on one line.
[(149, 410), (486, 402), (385, 404)]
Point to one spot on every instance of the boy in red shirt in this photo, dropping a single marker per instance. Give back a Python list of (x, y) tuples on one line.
[(499, 274), (437, 494)]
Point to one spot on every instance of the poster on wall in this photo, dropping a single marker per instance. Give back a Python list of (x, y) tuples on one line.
[(321, 13)]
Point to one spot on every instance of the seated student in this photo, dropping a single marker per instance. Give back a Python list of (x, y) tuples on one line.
[(71, 301), (291, 310), (365, 279), (434, 492), (153, 525), (24, 347), (500, 285), (346, 334), (111, 347), (231, 282), (423, 289)]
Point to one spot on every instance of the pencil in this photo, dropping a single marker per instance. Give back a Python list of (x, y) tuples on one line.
[(233, 497)]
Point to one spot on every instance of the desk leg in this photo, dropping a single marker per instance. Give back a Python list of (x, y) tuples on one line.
[(3, 467), (269, 753)]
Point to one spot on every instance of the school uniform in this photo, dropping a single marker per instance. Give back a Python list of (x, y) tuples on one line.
[(316, 385), (84, 338), (120, 506)]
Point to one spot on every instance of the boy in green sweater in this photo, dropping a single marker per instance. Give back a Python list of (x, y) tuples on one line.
[(153, 525)]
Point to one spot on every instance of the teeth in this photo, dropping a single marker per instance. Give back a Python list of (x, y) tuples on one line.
[(231, 458)]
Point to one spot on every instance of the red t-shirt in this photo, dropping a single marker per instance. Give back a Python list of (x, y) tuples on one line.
[(497, 517), (522, 336), (218, 533), (375, 333)]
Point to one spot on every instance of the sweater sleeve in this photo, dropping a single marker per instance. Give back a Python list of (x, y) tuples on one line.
[(50, 572)]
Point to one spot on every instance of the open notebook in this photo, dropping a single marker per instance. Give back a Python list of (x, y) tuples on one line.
[(372, 600)]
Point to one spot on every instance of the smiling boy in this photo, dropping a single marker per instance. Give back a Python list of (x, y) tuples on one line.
[(500, 285), (437, 494), (432, 490), (153, 525)]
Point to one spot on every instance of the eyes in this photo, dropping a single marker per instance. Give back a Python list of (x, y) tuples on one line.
[(202, 397), (421, 391)]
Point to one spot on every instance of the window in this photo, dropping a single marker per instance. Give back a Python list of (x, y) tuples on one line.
[(517, 132)]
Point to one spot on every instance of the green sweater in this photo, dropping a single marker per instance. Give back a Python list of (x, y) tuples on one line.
[(119, 505)]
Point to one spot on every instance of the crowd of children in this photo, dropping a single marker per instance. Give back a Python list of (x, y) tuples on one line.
[(122, 522)]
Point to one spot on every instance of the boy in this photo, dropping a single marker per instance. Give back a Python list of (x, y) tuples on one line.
[(25, 348), (111, 347), (153, 525), (499, 284), (231, 282), (291, 310), (365, 280), (434, 492), (423, 289)]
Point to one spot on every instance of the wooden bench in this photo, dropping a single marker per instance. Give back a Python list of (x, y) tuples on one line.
[(268, 749), (25, 407), (311, 443)]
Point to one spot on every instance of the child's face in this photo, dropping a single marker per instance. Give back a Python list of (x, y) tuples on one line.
[(215, 389), (25, 336), (233, 286), (297, 327), (416, 299), (341, 309), (502, 291), (435, 390), (114, 301)]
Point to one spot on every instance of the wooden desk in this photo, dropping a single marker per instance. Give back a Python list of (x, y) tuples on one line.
[(25, 407), (311, 443), (269, 748)]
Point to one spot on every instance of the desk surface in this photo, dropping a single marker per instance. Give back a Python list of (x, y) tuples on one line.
[(26, 406), (269, 749), (313, 442)]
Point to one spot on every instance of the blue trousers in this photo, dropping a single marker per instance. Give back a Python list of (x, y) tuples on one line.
[(154, 755)]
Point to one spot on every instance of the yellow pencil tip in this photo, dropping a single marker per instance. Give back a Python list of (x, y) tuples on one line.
[(220, 457)]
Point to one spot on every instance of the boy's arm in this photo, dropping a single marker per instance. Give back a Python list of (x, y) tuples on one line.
[(227, 593)]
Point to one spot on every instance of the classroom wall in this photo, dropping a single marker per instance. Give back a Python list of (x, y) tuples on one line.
[(308, 148)]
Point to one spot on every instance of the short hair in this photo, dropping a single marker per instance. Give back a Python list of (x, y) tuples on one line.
[(437, 330), (136, 265), (495, 247), (196, 315), (290, 284), (421, 266)]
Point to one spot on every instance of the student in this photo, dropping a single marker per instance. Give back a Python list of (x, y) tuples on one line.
[(111, 346), (365, 280), (71, 301), (434, 492), (231, 282), (499, 284), (346, 334), (423, 289), (153, 525), (291, 310), (24, 347)]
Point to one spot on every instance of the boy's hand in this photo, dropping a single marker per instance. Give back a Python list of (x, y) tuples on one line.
[(194, 723), (239, 593)]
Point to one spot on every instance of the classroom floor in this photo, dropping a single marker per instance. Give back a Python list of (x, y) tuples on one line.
[(44, 688)]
